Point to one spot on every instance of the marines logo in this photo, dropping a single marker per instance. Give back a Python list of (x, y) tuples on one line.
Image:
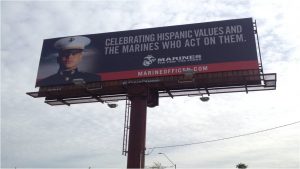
[(71, 39), (148, 60)]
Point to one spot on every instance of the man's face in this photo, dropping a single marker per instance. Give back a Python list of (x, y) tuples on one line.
[(69, 59)]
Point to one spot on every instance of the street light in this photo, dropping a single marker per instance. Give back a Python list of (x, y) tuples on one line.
[(168, 159), (81, 82), (112, 105), (204, 99)]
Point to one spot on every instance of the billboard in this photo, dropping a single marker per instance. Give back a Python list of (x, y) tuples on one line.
[(203, 47)]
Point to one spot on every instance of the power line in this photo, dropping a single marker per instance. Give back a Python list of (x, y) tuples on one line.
[(221, 139)]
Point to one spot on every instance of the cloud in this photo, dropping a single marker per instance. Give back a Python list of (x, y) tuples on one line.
[(34, 134)]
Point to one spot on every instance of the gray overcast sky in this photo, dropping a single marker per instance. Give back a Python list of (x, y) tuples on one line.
[(36, 135)]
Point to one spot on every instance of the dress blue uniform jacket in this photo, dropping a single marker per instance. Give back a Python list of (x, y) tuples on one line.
[(66, 77)]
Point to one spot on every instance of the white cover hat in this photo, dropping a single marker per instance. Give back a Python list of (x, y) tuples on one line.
[(74, 42)]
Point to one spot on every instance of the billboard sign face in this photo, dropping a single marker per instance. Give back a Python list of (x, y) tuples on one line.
[(203, 47)]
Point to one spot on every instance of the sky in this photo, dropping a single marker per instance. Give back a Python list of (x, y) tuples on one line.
[(36, 135)]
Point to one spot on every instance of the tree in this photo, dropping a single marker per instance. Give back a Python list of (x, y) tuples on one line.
[(241, 166)]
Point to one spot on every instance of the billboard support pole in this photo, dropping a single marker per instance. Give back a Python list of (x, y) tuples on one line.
[(137, 133)]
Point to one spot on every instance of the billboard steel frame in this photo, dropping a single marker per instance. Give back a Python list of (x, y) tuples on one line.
[(98, 92), (143, 92)]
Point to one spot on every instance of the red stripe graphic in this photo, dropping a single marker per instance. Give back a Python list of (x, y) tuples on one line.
[(202, 68)]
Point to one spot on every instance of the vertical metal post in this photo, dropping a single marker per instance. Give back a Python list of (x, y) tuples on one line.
[(137, 132)]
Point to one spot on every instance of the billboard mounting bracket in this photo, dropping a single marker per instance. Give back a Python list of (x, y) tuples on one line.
[(170, 94), (64, 102), (92, 94), (207, 91), (246, 88)]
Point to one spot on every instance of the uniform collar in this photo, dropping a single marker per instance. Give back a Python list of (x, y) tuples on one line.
[(67, 72)]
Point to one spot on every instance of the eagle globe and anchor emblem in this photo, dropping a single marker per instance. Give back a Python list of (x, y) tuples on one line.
[(148, 60)]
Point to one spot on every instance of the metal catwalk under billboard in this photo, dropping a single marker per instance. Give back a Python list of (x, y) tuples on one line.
[(203, 47)]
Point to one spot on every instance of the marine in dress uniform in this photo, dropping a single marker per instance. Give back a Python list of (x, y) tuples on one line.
[(70, 54)]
